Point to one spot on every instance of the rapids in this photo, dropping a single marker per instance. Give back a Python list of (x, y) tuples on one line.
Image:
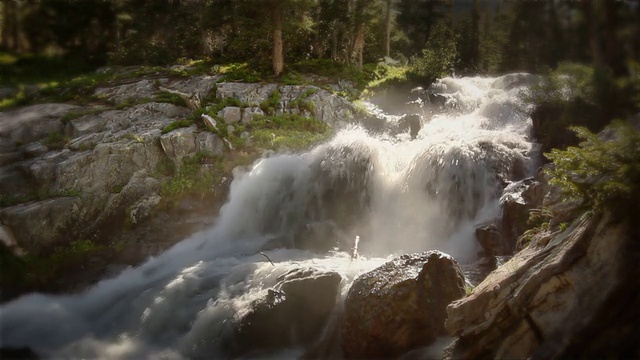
[(397, 194)]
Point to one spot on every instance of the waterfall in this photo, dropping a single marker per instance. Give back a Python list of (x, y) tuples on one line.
[(397, 194)]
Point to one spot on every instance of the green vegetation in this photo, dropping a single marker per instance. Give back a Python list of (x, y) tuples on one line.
[(603, 174), (192, 178), (177, 124), (580, 95), (272, 103), (294, 132), (171, 98), (56, 141)]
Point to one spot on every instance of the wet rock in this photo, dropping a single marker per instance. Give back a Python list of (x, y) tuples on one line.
[(517, 200), (293, 313), (573, 297), (412, 123), (475, 272), (491, 240), (400, 306)]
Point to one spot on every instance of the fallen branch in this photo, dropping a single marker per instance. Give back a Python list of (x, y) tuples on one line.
[(265, 255)]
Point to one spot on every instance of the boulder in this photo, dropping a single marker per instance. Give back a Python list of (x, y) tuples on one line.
[(491, 240), (574, 295), (292, 313), (231, 114), (400, 306)]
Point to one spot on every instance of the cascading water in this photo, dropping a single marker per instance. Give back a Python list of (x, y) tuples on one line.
[(397, 194)]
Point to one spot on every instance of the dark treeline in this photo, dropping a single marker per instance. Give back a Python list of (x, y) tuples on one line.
[(478, 36)]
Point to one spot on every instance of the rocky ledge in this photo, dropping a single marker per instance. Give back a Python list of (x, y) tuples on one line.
[(70, 172)]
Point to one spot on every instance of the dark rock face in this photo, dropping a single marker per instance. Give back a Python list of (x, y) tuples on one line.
[(573, 295), (411, 122), (294, 312), (498, 237), (400, 305)]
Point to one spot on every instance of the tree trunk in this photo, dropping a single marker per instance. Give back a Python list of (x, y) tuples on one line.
[(276, 21), (594, 41), (387, 37), (359, 45)]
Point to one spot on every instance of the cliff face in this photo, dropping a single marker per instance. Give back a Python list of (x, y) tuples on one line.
[(575, 293)]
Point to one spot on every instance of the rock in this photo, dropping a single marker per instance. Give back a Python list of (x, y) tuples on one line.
[(8, 240), (491, 240), (573, 297), (143, 208), (249, 113), (400, 306), (179, 144), (138, 90), (196, 86), (327, 107), (185, 142), (42, 223), (32, 123), (412, 123), (517, 200), (231, 114), (475, 272), (293, 313), (7, 92)]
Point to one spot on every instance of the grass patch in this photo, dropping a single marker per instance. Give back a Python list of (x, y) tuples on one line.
[(272, 103), (171, 98), (177, 124), (294, 132), (192, 178)]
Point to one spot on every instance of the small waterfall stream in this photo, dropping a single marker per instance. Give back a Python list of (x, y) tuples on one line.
[(398, 194)]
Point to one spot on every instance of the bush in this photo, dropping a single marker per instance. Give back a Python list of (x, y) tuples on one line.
[(438, 58), (602, 173), (579, 95)]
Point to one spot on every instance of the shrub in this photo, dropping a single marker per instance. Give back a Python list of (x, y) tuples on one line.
[(602, 173)]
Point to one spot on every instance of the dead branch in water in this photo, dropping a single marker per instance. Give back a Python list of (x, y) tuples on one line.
[(265, 255)]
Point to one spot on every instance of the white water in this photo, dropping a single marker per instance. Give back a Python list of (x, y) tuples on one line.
[(409, 195)]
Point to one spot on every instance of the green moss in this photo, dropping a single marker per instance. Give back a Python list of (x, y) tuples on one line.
[(171, 98), (294, 132), (177, 124), (272, 103), (56, 141)]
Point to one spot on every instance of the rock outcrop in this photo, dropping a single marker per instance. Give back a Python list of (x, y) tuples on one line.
[(571, 294), (293, 313), (498, 237), (89, 165), (400, 306)]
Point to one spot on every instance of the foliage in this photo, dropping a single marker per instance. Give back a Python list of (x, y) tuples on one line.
[(294, 132), (602, 173), (579, 95), (438, 58), (192, 178), (272, 103), (171, 98), (177, 124)]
